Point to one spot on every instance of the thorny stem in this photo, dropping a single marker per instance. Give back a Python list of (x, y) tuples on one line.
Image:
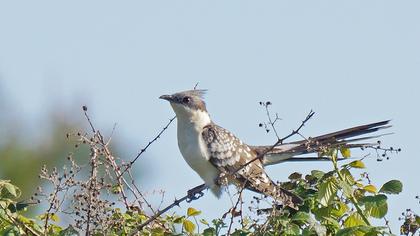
[(175, 203), (351, 198), (147, 146)]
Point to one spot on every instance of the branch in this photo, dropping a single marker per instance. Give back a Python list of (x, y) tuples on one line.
[(279, 141), (351, 197), (147, 146), (193, 194), (233, 211)]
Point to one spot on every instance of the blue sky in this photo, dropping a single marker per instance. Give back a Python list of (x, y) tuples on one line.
[(352, 62)]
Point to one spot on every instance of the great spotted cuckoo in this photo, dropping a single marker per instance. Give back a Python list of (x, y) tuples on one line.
[(213, 151)]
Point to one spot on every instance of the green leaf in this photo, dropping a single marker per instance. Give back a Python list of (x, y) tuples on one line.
[(54, 217), (331, 222), (188, 226), (204, 222), (376, 205), (339, 209), (354, 220), (10, 231), (10, 190), (209, 232), (291, 229), (193, 212), (301, 217), (4, 204), (347, 176), (345, 152), (357, 164), (327, 191), (179, 220), (295, 175), (69, 231), (51, 216), (392, 187), (347, 189), (354, 231), (317, 174), (370, 188), (155, 232)]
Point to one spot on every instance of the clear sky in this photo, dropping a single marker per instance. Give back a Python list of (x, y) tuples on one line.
[(352, 62)]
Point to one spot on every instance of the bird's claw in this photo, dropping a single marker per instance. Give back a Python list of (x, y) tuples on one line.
[(195, 193)]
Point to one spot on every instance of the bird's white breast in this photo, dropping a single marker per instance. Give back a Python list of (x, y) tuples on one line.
[(192, 146)]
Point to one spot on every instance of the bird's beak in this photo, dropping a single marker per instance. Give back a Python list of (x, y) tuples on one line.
[(166, 97)]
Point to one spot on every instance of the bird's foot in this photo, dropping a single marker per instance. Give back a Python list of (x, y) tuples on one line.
[(196, 192)]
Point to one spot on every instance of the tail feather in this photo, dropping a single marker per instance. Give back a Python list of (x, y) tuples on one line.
[(290, 199), (352, 132), (342, 138), (278, 193)]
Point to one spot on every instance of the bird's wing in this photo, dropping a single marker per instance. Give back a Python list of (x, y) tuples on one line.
[(228, 154)]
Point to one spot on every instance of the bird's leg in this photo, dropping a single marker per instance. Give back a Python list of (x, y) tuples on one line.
[(196, 192)]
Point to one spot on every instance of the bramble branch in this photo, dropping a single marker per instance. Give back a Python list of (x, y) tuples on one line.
[(148, 144), (193, 194)]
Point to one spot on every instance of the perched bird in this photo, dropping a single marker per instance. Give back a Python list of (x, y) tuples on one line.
[(215, 153)]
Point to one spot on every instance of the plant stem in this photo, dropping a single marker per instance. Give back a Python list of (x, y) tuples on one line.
[(351, 197)]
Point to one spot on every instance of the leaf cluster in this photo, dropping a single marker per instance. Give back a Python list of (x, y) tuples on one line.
[(337, 202)]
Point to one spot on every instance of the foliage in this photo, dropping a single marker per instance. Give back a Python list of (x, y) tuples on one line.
[(99, 196), (335, 203)]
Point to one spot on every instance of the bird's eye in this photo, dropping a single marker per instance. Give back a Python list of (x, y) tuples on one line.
[(186, 99)]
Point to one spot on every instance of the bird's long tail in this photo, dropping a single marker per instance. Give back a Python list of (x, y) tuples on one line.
[(348, 138)]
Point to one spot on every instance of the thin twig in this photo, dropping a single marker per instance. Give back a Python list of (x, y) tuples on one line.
[(47, 215), (147, 146), (88, 119), (140, 194), (93, 174), (270, 121), (233, 209)]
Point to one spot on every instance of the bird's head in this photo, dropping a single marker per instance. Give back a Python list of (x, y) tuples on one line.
[(188, 104)]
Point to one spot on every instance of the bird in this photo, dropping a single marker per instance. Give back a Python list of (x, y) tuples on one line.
[(220, 158)]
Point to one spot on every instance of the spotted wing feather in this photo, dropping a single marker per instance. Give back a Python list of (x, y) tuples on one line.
[(228, 153)]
